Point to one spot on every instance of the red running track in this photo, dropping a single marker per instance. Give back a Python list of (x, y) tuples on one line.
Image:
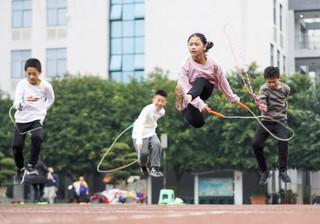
[(159, 214)]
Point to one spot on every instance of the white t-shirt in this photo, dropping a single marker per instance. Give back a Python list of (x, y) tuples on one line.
[(146, 124), (36, 101)]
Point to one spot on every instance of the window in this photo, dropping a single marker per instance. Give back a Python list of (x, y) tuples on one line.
[(56, 62), (56, 12), (126, 40), (271, 55), (18, 59), (21, 13)]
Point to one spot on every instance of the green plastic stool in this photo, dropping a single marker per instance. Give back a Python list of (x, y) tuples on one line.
[(166, 196)]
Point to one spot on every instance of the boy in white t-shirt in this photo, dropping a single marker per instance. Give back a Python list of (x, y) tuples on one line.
[(33, 98), (144, 134)]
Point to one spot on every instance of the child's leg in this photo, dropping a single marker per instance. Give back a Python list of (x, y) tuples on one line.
[(193, 116), (144, 151), (156, 150), (258, 145), (202, 88), (36, 141), (18, 144), (282, 132)]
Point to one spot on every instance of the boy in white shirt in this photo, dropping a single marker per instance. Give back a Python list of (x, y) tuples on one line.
[(33, 98), (144, 134)]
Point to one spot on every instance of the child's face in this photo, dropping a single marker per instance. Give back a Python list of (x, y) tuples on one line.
[(274, 83), (196, 47), (32, 75), (159, 101)]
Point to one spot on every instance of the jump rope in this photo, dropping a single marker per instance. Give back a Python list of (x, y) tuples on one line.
[(16, 126)]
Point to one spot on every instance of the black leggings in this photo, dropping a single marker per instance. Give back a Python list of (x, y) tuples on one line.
[(19, 139), (202, 88)]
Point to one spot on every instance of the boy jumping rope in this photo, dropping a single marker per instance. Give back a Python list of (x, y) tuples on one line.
[(33, 98), (144, 134), (272, 97)]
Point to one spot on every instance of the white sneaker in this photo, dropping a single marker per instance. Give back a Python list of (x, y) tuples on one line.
[(155, 172)]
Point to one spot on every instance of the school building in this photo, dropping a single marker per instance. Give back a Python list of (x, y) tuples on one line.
[(119, 39)]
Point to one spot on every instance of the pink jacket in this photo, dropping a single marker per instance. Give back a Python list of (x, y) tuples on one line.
[(190, 70)]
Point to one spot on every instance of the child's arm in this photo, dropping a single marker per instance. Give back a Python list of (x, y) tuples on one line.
[(49, 97), (139, 126), (224, 85), (263, 100), (18, 102)]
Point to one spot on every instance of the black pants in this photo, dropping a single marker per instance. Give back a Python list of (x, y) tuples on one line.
[(38, 192), (259, 142), (202, 88), (19, 140)]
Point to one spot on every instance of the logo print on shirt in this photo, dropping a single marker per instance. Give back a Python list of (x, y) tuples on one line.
[(32, 98)]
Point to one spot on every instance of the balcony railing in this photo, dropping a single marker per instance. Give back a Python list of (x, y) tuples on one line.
[(311, 42)]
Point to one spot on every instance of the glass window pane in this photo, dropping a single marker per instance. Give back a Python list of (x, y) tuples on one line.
[(116, 29), (128, 1), (128, 29), (128, 63), (116, 1), (128, 12), (127, 76), (139, 45), (16, 19), (62, 17), (62, 3), (51, 64), (56, 62), (51, 3), (139, 11), (116, 12), (139, 27), (116, 76), (128, 45), (16, 5), (62, 67), (115, 63), (116, 46), (51, 17), (18, 59), (27, 4), (27, 19), (139, 75), (139, 61), (61, 53)]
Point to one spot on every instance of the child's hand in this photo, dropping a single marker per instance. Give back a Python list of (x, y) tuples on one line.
[(138, 145), (20, 106), (263, 108), (206, 109)]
